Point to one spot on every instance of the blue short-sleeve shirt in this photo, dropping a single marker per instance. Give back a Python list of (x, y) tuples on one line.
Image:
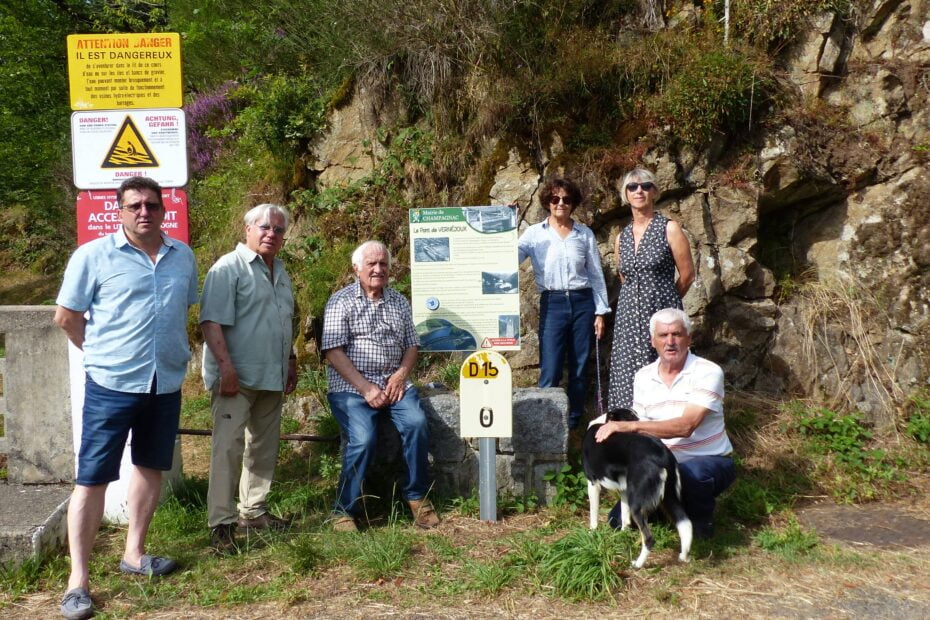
[(137, 311)]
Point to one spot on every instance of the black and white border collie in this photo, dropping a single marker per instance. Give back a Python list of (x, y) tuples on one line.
[(645, 473)]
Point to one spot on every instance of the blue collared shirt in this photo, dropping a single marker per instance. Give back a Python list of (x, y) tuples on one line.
[(137, 323), (565, 264)]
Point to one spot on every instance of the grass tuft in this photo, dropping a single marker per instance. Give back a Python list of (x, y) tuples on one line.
[(585, 564), (489, 578), (790, 542), (380, 553)]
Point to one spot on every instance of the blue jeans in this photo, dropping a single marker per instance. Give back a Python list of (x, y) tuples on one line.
[(566, 329), (703, 478), (359, 424)]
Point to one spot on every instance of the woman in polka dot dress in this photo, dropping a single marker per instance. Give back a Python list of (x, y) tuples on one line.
[(649, 251)]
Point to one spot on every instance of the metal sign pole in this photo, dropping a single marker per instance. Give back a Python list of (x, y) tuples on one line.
[(486, 412), (487, 478)]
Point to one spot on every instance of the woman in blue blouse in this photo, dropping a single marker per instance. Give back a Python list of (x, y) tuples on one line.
[(573, 294)]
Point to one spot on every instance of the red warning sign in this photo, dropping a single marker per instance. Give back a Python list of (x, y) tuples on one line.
[(488, 343), (98, 215)]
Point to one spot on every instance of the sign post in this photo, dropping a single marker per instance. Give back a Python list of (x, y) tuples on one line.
[(98, 214), (465, 278), (486, 412), (126, 90)]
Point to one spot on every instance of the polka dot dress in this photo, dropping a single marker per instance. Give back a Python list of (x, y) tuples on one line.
[(649, 286)]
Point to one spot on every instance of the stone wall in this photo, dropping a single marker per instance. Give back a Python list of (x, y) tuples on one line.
[(539, 445)]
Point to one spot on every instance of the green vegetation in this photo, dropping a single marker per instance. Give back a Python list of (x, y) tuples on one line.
[(773, 25), (507, 504), (791, 541), (195, 412), (534, 552), (755, 496), (711, 95), (571, 487), (841, 448), (584, 563), (457, 72), (918, 421), (35, 202)]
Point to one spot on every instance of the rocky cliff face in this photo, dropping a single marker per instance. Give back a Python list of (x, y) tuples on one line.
[(812, 249)]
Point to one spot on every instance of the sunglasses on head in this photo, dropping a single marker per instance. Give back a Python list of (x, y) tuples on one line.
[(554, 200), (647, 186)]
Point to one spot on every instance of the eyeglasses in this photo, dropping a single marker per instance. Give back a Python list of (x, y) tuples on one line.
[(135, 208), (565, 200), (278, 230), (647, 186)]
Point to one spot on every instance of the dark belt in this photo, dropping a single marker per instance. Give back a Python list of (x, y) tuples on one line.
[(578, 293)]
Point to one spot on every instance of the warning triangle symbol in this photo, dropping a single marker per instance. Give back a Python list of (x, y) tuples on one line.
[(129, 149), (486, 344)]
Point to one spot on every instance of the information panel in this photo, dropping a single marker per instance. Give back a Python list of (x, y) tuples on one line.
[(464, 276), (111, 145), (98, 215), (132, 70)]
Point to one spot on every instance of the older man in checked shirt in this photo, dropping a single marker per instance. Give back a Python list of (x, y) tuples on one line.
[(371, 346)]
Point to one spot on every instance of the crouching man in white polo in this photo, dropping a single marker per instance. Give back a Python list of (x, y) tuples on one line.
[(679, 399)]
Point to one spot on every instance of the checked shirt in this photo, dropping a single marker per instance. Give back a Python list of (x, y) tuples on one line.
[(373, 333)]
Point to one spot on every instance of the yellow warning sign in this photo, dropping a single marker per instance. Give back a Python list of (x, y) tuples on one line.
[(126, 70), (129, 149)]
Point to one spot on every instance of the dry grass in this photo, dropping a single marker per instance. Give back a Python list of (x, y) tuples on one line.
[(736, 581), (840, 314), (731, 576), (22, 287)]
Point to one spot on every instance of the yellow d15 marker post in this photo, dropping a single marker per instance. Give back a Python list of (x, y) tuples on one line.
[(486, 412)]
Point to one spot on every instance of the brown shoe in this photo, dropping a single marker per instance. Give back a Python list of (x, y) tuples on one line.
[(223, 539), (344, 523), (424, 515), (264, 521)]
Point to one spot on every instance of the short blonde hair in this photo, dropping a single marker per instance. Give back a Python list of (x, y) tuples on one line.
[(643, 175)]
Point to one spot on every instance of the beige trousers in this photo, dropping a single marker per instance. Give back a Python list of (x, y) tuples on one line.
[(246, 430)]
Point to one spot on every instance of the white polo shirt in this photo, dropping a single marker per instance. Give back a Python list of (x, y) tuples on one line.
[(700, 383)]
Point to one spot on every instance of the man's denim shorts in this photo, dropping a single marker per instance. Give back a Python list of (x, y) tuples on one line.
[(108, 417)]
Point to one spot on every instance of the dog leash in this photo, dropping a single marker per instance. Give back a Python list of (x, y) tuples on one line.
[(597, 362)]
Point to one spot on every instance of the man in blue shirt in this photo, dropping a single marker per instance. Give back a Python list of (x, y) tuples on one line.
[(124, 302)]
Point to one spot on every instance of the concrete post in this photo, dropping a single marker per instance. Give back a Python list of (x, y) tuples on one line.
[(37, 402)]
